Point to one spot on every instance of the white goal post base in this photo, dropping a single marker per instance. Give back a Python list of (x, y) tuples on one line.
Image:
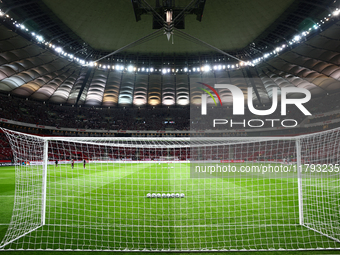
[(256, 194)]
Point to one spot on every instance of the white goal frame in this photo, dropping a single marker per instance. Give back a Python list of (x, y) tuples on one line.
[(305, 219)]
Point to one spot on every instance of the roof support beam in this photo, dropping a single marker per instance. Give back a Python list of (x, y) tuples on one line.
[(19, 5), (58, 36), (190, 37), (83, 85), (281, 37), (44, 28), (33, 17), (250, 77), (318, 5)]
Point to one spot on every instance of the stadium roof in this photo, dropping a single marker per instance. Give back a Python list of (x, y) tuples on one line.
[(240, 27), (227, 25), (49, 49)]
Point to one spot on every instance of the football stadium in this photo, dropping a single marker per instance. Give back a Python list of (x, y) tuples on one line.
[(172, 126)]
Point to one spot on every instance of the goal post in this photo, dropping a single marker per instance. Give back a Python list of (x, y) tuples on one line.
[(220, 194), (44, 183), (299, 176), (28, 214), (320, 181)]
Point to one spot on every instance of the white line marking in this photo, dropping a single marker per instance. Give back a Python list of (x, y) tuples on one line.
[(124, 225), (60, 196)]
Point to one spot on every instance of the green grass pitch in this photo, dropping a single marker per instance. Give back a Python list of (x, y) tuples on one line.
[(107, 208)]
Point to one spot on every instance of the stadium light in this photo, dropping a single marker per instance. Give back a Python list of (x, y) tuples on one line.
[(297, 38), (130, 68), (40, 38)]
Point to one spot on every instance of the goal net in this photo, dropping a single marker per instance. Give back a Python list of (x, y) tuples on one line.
[(123, 194)]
